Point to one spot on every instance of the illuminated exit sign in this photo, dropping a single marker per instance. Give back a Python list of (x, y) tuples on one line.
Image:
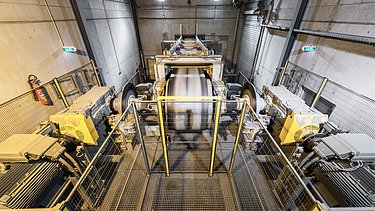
[(308, 48), (69, 48)]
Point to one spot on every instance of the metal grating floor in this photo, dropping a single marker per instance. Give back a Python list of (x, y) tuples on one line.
[(188, 157), (189, 187), (189, 192)]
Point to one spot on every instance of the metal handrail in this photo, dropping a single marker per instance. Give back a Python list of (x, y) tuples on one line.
[(282, 154), (96, 156), (50, 81)]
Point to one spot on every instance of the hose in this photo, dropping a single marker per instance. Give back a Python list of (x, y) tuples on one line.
[(305, 159), (69, 167), (310, 163), (75, 163)]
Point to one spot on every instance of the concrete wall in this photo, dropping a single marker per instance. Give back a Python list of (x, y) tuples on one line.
[(350, 65), (160, 21), (30, 44), (111, 32)]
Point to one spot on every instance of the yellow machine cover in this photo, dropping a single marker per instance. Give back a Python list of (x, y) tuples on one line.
[(297, 125), (78, 126)]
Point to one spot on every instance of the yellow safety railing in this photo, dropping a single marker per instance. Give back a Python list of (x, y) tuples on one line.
[(187, 99)]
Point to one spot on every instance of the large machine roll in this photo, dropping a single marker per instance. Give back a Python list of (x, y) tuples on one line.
[(188, 116)]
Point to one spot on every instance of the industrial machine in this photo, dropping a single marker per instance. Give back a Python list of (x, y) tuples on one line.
[(287, 115), (39, 169), (86, 157), (339, 168)]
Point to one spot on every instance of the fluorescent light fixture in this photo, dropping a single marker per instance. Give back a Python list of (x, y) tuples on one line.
[(216, 0), (161, 0)]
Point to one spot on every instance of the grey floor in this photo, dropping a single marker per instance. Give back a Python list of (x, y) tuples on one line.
[(189, 187)]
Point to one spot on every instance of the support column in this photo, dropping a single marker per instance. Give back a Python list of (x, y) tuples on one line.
[(291, 37)]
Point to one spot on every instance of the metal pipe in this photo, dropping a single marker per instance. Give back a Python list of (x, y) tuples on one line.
[(237, 137), (214, 140), (54, 24), (189, 98), (255, 61), (338, 36), (162, 132), (275, 27), (291, 36), (133, 5), (321, 88), (66, 104), (235, 34), (141, 138), (111, 35)]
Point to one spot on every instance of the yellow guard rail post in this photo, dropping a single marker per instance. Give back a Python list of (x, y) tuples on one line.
[(214, 138), (321, 88), (283, 72), (237, 137), (59, 90), (162, 129)]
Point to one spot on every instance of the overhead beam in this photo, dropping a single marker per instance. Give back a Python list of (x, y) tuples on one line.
[(291, 37), (82, 28)]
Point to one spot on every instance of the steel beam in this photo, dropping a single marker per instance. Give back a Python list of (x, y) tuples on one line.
[(81, 22), (291, 37), (133, 5)]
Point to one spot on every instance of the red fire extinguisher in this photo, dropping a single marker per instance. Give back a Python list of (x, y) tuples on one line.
[(40, 93)]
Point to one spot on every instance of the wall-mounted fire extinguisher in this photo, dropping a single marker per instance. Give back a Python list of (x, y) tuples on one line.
[(40, 93)]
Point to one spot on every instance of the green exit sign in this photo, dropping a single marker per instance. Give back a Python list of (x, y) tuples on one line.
[(69, 48), (309, 48)]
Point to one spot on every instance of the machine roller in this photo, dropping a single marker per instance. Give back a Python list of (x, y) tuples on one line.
[(191, 116)]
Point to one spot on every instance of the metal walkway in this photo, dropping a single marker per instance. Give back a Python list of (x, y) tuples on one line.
[(132, 189)]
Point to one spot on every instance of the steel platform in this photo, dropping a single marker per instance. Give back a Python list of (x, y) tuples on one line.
[(189, 187)]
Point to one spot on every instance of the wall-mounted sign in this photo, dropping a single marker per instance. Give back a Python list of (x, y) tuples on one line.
[(308, 48), (69, 48)]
